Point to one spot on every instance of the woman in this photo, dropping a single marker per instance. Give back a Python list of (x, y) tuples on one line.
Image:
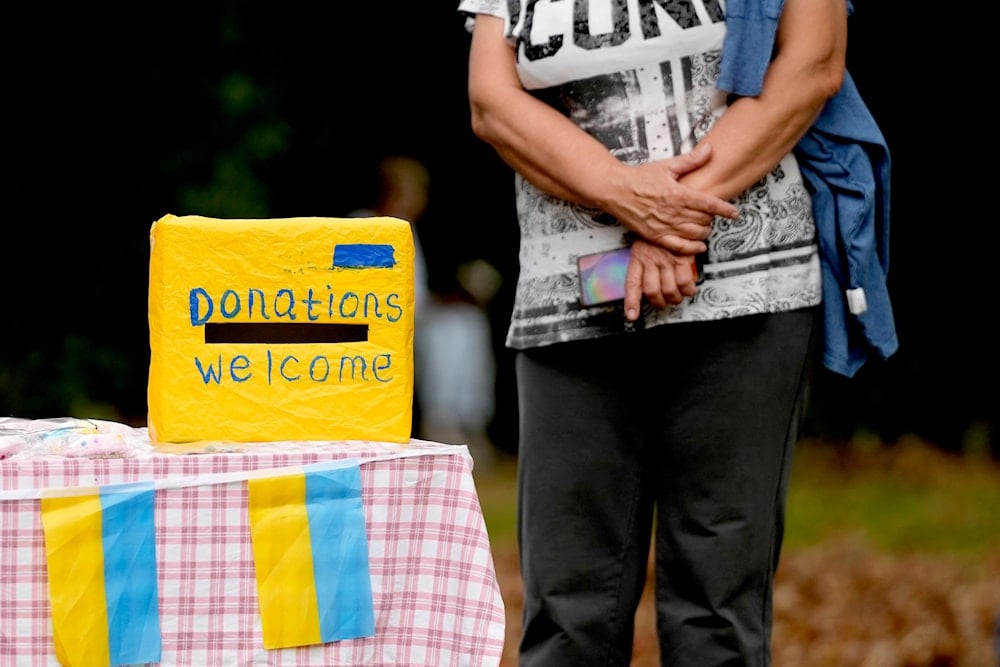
[(680, 402)]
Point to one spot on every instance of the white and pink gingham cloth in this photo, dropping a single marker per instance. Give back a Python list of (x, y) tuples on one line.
[(435, 593)]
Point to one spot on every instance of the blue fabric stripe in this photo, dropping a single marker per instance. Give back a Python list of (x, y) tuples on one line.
[(340, 554), (129, 537), (363, 256)]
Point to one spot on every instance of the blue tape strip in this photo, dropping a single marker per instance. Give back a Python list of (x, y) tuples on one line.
[(363, 256)]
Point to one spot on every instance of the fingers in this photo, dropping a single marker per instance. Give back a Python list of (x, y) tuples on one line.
[(659, 277), (633, 289), (691, 160), (681, 246), (700, 203), (686, 276), (662, 290), (686, 162), (685, 204), (722, 208)]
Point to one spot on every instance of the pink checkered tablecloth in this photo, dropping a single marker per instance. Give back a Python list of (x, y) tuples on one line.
[(436, 597)]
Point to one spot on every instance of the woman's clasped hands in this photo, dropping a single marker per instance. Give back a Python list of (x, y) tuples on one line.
[(671, 222)]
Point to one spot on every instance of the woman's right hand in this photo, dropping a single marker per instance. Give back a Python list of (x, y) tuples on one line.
[(649, 200)]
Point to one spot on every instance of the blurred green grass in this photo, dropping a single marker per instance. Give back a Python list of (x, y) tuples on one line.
[(908, 497)]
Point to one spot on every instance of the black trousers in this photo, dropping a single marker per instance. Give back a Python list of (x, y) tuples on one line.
[(685, 432)]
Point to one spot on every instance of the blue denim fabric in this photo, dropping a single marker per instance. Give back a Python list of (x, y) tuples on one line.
[(845, 161)]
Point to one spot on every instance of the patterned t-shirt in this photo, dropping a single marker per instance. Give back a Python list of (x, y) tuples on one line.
[(639, 75)]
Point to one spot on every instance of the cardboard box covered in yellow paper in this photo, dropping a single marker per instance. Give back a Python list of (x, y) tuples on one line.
[(280, 329)]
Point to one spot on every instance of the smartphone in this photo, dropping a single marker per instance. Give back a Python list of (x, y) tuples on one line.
[(602, 276)]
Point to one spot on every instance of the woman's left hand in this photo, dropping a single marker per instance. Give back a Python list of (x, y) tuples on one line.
[(663, 277)]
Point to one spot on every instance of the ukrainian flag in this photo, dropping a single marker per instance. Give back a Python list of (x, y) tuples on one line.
[(311, 556), (101, 554)]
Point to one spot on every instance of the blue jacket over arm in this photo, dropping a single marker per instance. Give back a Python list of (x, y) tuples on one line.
[(845, 162)]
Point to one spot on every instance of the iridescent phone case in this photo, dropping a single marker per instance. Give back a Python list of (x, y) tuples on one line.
[(602, 276)]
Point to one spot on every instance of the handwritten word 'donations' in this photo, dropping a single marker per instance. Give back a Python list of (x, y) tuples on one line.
[(285, 305)]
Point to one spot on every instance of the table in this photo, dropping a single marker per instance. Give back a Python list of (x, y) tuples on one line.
[(435, 593)]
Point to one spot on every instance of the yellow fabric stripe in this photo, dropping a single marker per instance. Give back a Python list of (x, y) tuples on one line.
[(286, 587), (74, 549)]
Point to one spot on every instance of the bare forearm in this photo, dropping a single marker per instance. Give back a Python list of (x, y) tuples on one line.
[(755, 133), (549, 151)]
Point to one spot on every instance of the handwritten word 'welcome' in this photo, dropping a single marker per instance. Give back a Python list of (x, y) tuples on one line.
[(289, 368)]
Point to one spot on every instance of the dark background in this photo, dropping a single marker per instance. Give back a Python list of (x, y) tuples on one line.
[(115, 118)]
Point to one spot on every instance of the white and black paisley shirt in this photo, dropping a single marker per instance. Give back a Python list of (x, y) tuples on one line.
[(639, 75)]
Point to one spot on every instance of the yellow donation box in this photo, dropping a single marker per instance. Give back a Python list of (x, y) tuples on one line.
[(280, 329)]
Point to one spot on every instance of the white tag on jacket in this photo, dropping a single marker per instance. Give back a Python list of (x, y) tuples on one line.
[(856, 300)]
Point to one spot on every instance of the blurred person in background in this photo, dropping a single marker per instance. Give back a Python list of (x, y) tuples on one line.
[(402, 190), (666, 129), (454, 369)]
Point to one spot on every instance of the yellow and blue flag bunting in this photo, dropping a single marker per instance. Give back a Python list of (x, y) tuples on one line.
[(311, 555), (101, 554)]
